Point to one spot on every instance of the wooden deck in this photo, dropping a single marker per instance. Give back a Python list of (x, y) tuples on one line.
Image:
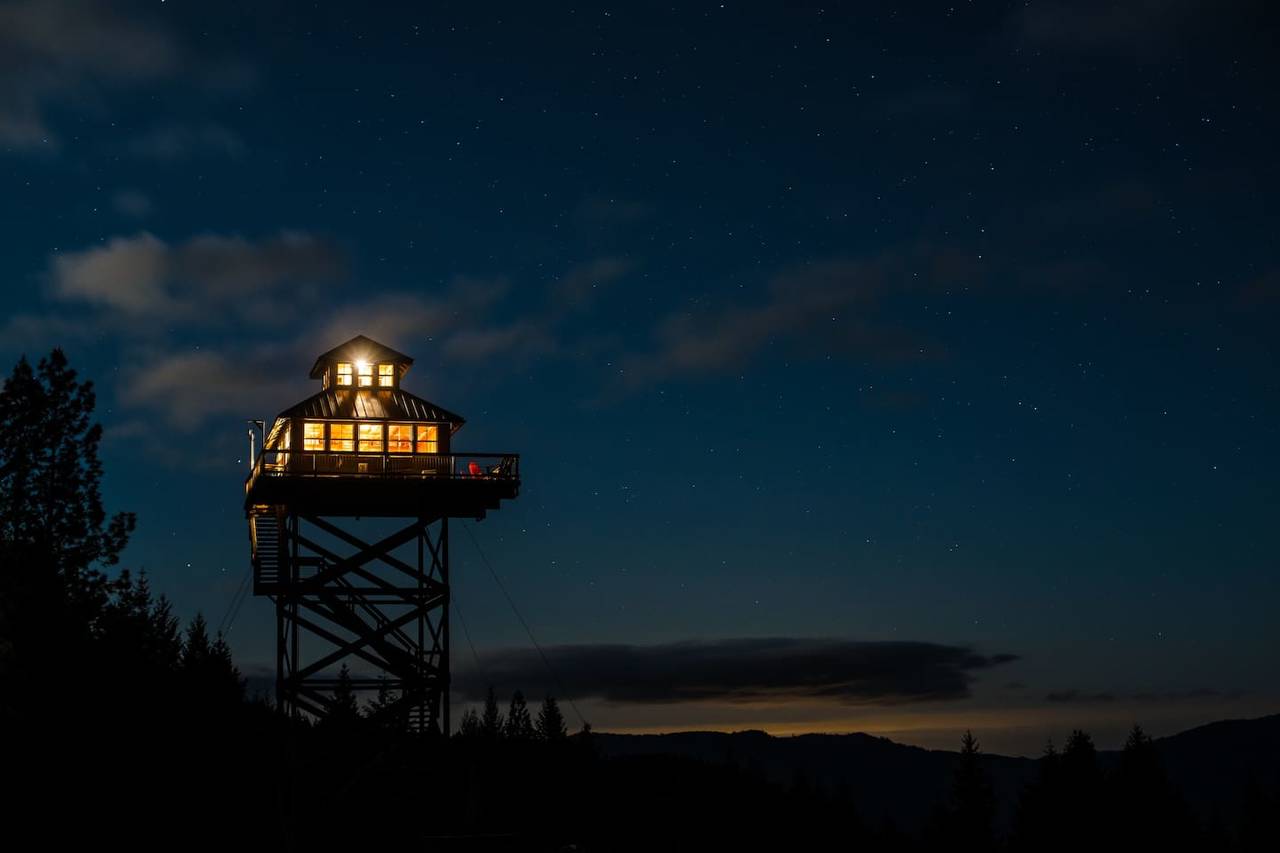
[(434, 485)]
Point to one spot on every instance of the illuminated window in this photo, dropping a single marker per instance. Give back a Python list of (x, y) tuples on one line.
[(370, 438), (312, 435), (341, 436), (428, 438), (400, 438), (344, 373), (365, 371), (386, 375)]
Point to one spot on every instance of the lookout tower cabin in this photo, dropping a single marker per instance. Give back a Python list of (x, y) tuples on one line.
[(364, 447)]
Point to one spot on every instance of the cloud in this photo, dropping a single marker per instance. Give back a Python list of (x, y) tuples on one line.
[(1121, 26), (186, 389), (131, 203), (155, 298), (578, 288), (1064, 696), (203, 279), (174, 142), (1079, 696), (833, 306), (52, 49), (742, 671), (604, 211)]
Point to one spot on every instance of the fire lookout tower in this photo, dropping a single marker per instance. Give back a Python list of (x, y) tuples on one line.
[(362, 447)]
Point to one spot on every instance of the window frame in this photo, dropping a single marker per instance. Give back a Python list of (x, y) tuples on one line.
[(340, 375), (351, 439), (419, 442), (364, 376), (380, 441), (386, 379), (320, 445), (408, 442)]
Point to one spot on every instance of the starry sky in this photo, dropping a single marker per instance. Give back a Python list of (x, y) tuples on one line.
[(930, 346)]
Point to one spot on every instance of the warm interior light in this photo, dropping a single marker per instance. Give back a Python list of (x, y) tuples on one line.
[(341, 437), (428, 438), (399, 438), (364, 370), (312, 435), (370, 438)]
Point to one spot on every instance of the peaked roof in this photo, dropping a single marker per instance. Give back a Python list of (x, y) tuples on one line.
[(355, 349), (372, 403)]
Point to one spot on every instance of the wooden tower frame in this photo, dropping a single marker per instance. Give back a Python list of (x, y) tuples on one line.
[(381, 606)]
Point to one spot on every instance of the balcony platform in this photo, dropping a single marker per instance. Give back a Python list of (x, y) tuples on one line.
[(428, 486)]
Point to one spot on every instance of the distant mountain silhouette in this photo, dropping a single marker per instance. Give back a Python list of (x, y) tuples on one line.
[(1211, 764)]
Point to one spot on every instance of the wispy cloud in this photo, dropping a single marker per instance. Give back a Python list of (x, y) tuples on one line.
[(172, 142), (1129, 26), (833, 306), (256, 303), (742, 671), (200, 280), (1074, 696), (51, 49), (131, 203)]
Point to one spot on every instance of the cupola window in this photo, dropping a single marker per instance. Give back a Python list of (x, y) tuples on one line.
[(364, 370), (386, 375), (344, 373)]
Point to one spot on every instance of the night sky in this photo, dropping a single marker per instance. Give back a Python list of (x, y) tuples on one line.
[(931, 351)]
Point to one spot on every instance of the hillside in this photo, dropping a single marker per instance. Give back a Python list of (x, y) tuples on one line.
[(1212, 764)]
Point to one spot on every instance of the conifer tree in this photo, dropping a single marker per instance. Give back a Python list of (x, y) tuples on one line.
[(551, 725), (1146, 810), (55, 536), (345, 707), (383, 700), (518, 725), (225, 680), (196, 650), (972, 810), (469, 726), (491, 727)]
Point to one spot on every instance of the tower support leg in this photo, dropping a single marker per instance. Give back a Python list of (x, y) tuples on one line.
[(343, 600)]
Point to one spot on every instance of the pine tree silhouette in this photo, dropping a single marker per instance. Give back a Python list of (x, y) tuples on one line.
[(345, 710), (518, 725), (379, 708), (491, 727), (196, 651), (551, 725), (469, 725), (1146, 811), (225, 681), (55, 538), (972, 810)]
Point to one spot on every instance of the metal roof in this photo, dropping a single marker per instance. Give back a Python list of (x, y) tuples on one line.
[(373, 404), (357, 348)]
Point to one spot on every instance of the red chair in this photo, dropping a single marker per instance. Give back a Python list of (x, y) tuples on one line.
[(474, 469)]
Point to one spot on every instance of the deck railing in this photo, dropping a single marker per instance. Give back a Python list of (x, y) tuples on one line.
[(460, 466)]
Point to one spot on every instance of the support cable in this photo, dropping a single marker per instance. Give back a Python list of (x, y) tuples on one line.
[(233, 607), (532, 639), (453, 599)]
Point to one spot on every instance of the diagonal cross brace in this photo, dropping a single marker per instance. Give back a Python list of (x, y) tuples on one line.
[(368, 639)]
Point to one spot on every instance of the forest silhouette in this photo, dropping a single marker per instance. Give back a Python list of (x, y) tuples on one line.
[(121, 725)]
